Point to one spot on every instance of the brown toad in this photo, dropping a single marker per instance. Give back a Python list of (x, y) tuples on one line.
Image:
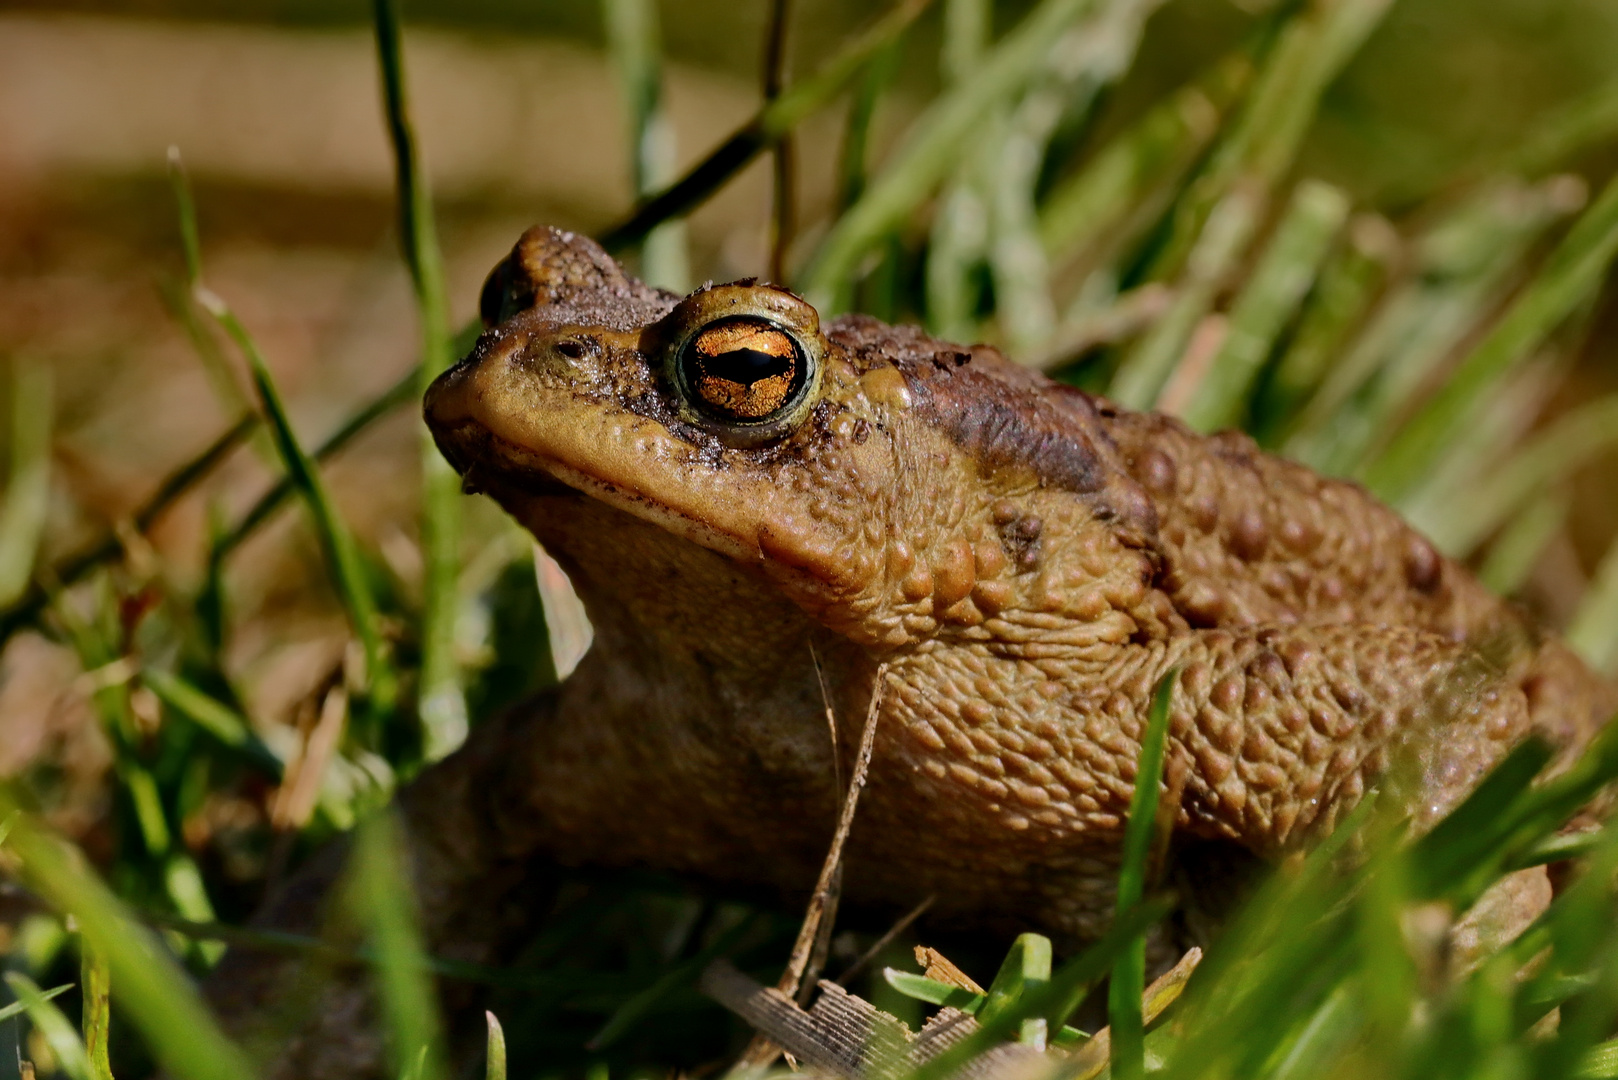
[(737, 491)]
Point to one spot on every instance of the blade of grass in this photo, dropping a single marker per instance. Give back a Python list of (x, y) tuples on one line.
[(96, 1011), (1586, 123), (441, 702), (1147, 367), (342, 558), (1463, 269), (214, 717), (149, 986), (1268, 301), (1460, 520), (1263, 141), (57, 1030), (932, 146), (381, 900), (17, 1008), (1107, 195), (1026, 968), (784, 198), (635, 46), (1056, 999), (1217, 218), (1516, 551), (28, 485), (494, 1067), (1128, 984), (782, 115), (1594, 632), (74, 568), (1100, 50), (1572, 273), (1348, 285), (400, 393)]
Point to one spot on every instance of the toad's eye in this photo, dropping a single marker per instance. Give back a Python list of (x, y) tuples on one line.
[(743, 370)]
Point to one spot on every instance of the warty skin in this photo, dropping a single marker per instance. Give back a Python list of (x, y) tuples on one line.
[(1012, 564)]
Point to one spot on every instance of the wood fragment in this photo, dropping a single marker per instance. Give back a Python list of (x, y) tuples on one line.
[(939, 968)]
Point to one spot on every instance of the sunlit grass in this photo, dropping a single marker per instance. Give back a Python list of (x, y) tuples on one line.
[(1416, 354)]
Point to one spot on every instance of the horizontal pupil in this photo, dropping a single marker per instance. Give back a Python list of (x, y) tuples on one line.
[(747, 366)]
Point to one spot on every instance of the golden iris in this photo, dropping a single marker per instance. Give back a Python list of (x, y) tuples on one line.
[(743, 369)]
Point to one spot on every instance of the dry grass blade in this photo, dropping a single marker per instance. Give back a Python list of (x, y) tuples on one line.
[(822, 910)]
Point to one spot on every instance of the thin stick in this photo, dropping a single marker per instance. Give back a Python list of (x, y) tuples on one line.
[(885, 940), (761, 1052), (775, 61), (764, 129)]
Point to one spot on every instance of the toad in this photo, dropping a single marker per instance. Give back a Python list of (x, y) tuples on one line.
[(770, 518)]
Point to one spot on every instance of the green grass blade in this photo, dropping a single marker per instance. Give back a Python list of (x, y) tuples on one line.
[(1026, 968), (1348, 286), (442, 705), (342, 557), (1516, 551), (934, 992), (1461, 519), (494, 1067), (1129, 971), (1106, 196), (58, 1031), (1056, 999), (1590, 122), (1571, 275), (381, 900), (1599, 1062), (1065, 97), (967, 27), (1146, 369), (148, 985), (28, 487), (1265, 137), (1464, 267), (400, 393), (213, 716), (933, 145), (1594, 632), (1268, 301), (17, 1008), (96, 1010), (775, 120), (634, 44)]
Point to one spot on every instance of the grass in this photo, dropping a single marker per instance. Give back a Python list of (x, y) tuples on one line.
[(1415, 347)]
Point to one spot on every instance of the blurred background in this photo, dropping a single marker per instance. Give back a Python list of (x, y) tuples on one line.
[(522, 118)]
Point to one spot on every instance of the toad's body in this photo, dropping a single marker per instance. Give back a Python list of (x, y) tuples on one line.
[(1023, 561)]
